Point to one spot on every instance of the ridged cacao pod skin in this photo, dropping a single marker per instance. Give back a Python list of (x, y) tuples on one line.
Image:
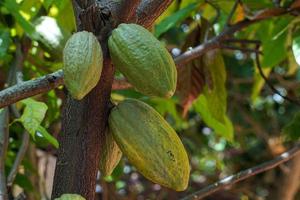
[(143, 60), (150, 144), (83, 62), (110, 155)]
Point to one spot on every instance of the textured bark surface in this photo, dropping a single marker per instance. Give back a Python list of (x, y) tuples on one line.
[(84, 125)]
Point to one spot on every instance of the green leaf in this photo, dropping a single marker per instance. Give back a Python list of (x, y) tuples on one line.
[(258, 84), (291, 130), (167, 106), (4, 42), (274, 42), (13, 8), (47, 4), (33, 115), (173, 19), (224, 129), (44, 133), (212, 103), (30, 7), (31, 119), (296, 49)]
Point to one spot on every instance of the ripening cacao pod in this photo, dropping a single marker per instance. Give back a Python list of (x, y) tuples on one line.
[(83, 62), (110, 155), (150, 144), (143, 60)]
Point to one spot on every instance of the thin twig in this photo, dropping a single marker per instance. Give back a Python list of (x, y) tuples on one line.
[(4, 124), (222, 46), (19, 158), (292, 100), (230, 180), (24, 145), (217, 9), (242, 41), (30, 88), (236, 3)]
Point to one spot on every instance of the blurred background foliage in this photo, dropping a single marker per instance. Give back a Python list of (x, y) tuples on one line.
[(227, 117)]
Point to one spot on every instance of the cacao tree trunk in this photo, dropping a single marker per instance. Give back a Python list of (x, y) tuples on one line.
[(83, 125)]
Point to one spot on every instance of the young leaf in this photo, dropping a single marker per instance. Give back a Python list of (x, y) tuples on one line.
[(4, 42), (33, 115), (296, 49), (44, 133)]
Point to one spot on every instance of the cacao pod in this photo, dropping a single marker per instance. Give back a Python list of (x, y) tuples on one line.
[(70, 197), (143, 60), (150, 144), (110, 155), (83, 62)]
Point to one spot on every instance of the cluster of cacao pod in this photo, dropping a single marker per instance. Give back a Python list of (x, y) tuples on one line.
[(135, 129)]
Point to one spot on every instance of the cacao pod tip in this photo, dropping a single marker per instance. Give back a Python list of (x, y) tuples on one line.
[(169, 94)]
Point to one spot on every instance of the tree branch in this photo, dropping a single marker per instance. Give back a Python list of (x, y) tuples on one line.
[(149, 10), (230, 180), (4, 134), (30, 88)]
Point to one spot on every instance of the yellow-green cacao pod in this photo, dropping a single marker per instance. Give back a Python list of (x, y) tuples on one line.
[(83, 62), (143, 60), (70, 197), (110, 155), (150, 144)]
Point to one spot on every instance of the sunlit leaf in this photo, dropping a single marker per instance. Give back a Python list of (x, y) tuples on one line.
[(296, 49), (258, 84), (33, 115), (224, 128), (4, 42), (42, 132), (175, 18)]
